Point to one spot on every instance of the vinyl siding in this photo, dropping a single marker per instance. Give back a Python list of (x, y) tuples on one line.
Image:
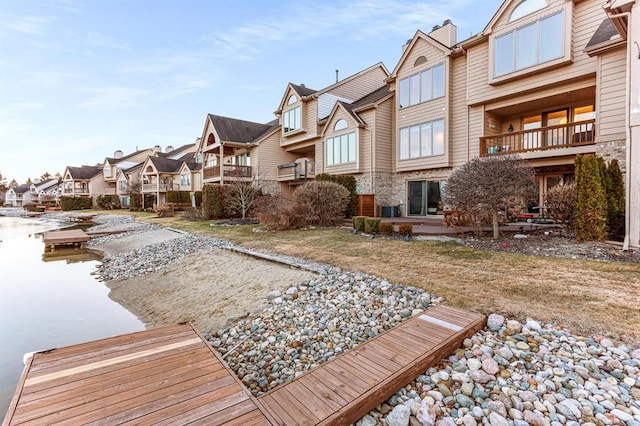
[(268, 155), (361, 85), (611, 95), (309, 124), (586, 17), (362, 140), (427, 111), (384, 136), (459, 112)]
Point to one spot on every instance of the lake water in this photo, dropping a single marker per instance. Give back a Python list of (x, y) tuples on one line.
[(48, 302)]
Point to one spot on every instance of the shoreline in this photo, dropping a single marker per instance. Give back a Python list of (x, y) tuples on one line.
[(509, 373)]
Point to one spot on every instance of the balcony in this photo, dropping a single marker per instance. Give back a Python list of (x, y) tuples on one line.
[(563, 136), (159, 187), (232, 171), (297, 171), (75, 191)]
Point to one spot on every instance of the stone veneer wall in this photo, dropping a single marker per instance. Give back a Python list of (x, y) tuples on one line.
[(383, 186), (614, 150)]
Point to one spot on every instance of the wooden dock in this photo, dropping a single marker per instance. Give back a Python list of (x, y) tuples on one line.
[(168, 375), (73, 237), (346, 388)]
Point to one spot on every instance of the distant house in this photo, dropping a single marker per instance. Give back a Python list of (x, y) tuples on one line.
[(10, 197), (82, 181), (112, 168), (160, 174)]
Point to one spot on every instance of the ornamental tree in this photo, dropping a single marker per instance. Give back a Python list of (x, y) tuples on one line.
[(484, 185)]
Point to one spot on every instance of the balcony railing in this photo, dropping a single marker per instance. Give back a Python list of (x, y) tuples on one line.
[(75, 191), (297, 171), (545, 138), (159, 187), (230, 170)]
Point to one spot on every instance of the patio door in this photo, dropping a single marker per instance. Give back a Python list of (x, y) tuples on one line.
[(416, 201), (424, 197)]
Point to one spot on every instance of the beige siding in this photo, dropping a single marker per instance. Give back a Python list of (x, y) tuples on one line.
[(426, 111), (266, 157), (361, 141), (458, 146), (361, 85), (476, 130), (611, 95), (309, 124), (384, 136), (587, 15)]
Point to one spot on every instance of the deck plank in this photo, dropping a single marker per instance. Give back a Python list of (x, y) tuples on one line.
[(145, 377), (368, 374)]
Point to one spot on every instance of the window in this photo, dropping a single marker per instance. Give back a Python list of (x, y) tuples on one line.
[(291, 120), (292, 100), (241, 160), (107, 171), (341, 149), (422, 140), (340, 125), (422, 87), (527, 7), (122, 185), (532, 44), (185, 179)]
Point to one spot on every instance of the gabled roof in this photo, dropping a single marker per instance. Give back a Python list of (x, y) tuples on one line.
[(419, 35), (21, 189), (165, 165), (360, 104), (47, 183), (112, 160), (302, 90), (605, 36), (234, 130), (84, 172), (177, 151)]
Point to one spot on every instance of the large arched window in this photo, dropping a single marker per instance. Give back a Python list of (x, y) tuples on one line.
[(527, 7), (340, 124), (292, 100), (211, 139)]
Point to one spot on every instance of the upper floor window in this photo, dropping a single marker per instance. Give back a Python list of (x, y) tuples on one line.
[(527, 7), (422, 140), (107, 171), (122, 185), (341, 149), (292, 120), (422, 87), (340, 124), (185, 179), (292, 100), (241, 159), (529, 45)]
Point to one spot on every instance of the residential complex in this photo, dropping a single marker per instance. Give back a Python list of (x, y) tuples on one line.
[(546, 79)]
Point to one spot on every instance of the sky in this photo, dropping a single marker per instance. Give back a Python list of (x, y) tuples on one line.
[(80, 79)]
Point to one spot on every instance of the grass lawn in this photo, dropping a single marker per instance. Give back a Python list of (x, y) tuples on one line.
[(587, 297)]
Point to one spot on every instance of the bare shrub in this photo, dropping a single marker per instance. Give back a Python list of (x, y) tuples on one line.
[(561, 200), (386, 228), (323, 203), (483, 186), (279, 212)]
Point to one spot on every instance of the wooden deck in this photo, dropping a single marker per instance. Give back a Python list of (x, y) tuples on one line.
[(167, 375), (73, 237), (346, 388)]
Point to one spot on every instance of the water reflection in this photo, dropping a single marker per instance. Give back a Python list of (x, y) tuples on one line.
[(48, 301)]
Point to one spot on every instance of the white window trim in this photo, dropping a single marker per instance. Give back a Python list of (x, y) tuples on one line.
[(419, 125), (348, 163), (408, 78), (284, 114), (567, 9)]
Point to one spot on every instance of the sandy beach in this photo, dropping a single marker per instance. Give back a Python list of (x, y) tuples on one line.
[(208, 289)]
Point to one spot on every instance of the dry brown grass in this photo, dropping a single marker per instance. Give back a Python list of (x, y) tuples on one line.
[(587, 297)]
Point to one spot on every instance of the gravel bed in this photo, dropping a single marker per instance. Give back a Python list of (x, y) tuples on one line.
[(508, 374)]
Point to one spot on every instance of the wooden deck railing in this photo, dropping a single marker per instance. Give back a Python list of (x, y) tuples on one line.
[(295, 171), (545, 138), (230, 170), (162, 187)]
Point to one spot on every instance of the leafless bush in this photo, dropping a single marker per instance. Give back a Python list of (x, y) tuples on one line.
[(561, 200), (483, 186), (324, 203)]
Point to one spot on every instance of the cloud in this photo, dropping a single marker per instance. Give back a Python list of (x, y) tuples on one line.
[(90, 41), (33, 25)]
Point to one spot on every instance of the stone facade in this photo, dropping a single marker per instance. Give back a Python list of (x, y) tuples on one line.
[(614, 150), (400, 180)]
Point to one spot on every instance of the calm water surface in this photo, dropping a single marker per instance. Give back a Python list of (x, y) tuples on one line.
[(48, 302)]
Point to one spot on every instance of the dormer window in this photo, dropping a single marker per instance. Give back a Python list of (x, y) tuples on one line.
[(527, 7), (107, 171), (529, 45)]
